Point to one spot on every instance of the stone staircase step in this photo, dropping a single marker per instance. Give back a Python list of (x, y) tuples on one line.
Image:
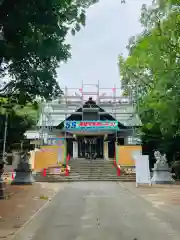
[(84, 170), (84, 179)]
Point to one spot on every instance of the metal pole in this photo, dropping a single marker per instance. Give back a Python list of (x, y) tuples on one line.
[(98, 91), (116, 144), (114, 101), (5, 135), (82, 102), (41, 124), (2, 161), (65, 132)]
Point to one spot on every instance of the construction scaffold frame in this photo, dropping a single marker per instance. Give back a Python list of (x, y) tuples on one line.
[(57, 111)]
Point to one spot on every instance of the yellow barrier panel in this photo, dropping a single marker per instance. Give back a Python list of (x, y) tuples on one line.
[(125, 155), (48, 156)]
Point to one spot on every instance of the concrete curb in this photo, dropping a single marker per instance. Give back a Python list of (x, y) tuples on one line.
[(32, 217)]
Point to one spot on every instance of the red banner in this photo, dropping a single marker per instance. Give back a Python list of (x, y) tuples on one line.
[(96, 124)]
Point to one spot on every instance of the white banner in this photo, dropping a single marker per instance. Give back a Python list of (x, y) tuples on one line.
[(142, 169)]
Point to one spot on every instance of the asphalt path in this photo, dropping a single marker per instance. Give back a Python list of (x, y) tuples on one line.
[(99, 211)]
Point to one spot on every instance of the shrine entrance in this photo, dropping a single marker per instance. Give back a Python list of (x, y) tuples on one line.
[(90, 146)]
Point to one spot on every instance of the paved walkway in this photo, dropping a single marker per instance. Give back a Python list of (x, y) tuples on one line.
[(102, 211)]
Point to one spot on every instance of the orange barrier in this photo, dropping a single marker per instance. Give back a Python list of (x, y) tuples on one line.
[(124, 155), (48, 156)]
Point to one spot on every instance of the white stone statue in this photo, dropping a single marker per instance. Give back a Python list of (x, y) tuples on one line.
[(160, 159), (157, 156), (164, 159), (161, 170)]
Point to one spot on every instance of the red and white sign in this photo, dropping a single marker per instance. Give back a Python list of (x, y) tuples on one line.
[(97, 124)]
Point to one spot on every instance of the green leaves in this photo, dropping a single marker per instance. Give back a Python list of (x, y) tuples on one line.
[(152, 72), (33, 43)]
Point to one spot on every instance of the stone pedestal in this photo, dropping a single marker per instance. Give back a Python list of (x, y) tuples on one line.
[(24, 174), (162, 174)]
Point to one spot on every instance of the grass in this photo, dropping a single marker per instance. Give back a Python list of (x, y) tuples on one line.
[(42, 197)]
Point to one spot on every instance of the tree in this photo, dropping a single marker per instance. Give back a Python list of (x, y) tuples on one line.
[(32, 44), (17, 126), (152, 72), (18, 122)]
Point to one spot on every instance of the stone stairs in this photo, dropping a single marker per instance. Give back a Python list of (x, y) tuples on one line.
[(88, 170)]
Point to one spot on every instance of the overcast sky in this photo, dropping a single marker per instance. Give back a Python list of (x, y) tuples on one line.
[(96, 47)]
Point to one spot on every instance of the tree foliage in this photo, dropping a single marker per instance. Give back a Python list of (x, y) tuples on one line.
[(152, 72), (32, 44), (18, 122)]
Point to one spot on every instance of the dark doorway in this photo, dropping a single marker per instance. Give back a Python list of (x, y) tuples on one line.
[(90, 144), (111, 148), (121, 141), (69, 147)]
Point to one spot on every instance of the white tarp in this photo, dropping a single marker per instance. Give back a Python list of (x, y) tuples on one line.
[(142, 168)]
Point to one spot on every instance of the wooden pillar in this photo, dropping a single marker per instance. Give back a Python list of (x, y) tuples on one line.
[(75, 149)]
